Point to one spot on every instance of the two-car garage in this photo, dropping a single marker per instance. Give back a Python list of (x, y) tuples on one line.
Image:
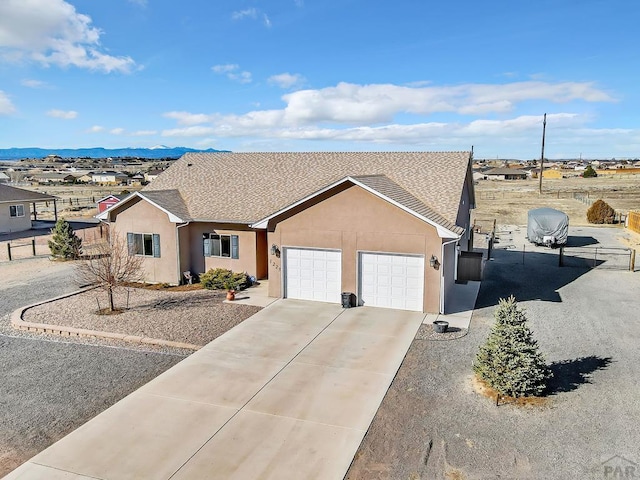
[(384, 279)]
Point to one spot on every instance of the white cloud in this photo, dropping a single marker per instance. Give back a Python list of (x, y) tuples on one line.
[(6, 107), (233, 72), (51, 32), (95, 129), (246, 13), (144, 133), (63, 114), (186, 118), (252, 13), (195, 131), (476, 114), (286, 80), (27, 82), (364, 105), (225, 68), (116, 131)]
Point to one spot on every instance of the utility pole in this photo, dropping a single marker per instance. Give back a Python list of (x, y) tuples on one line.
[(544, 128)]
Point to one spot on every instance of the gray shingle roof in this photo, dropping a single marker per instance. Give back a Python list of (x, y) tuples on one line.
[(13, 194), (170, 200), (247, 187), (395, 192)]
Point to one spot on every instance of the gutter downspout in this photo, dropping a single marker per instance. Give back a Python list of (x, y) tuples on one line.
[(178, 227), (442, 274)]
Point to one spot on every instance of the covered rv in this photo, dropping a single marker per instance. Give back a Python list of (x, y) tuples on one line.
[(547, 226)]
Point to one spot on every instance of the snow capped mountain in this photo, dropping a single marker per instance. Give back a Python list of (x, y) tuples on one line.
[(159, 151)]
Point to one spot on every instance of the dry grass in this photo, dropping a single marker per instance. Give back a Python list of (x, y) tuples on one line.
[(454, 474), (482, 388), (509, 201)]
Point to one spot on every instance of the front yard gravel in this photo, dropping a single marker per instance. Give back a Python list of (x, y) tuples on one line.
[(195, 317)]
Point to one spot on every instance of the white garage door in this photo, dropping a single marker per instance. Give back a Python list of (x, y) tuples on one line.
[(392, 281), (313, 274)]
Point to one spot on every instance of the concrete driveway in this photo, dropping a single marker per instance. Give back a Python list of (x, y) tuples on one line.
[(289, 393)]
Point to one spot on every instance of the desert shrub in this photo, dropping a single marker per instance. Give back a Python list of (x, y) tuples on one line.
[(589, 172), (509, 361), (600, 212), (219, 278)]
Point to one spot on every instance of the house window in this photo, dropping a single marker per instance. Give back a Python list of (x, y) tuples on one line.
[(145, 244), (16, 210), (221, 245)]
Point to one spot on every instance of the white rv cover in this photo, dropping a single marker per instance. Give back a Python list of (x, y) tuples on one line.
[(547, 222)]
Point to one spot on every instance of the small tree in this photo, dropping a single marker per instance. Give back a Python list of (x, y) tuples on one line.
[(111, 265), (601, 212), (589, 172), (509, 362), (64, 244)]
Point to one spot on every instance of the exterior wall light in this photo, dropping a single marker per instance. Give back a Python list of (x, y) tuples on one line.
[(275, 250), (433, 261)]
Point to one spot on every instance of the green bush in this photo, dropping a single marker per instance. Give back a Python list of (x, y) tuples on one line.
[(509, 361), (589, 172), (600, 212), (221, 278)]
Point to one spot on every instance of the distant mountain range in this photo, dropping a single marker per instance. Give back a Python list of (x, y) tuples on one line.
[(159, 151)]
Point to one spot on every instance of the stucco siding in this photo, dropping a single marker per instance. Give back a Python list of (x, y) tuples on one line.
[(14, 224), (247, 248), (448, 273), (353, 220), (142, 217)]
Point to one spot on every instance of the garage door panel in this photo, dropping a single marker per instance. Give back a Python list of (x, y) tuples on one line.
[(318, 276), (392, 281)]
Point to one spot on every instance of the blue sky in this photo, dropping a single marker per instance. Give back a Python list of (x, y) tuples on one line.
[(311, 75)]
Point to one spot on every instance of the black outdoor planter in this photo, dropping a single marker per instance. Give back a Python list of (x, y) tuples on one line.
[(440, 326)]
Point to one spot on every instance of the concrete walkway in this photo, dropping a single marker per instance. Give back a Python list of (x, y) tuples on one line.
[(288, 393), (461, 308)]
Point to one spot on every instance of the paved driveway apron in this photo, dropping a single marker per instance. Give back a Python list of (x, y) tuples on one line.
[(288, 393)]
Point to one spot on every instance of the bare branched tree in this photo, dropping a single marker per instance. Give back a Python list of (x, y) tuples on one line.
[(110, 265)]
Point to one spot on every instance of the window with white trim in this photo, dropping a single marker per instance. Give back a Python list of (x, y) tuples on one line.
[(144, 244), (221, 245), (16, 210)]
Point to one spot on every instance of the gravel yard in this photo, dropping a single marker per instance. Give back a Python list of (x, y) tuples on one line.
[(195, 317), (433, 425), (50, 385)]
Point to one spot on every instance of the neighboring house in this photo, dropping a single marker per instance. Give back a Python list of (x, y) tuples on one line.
[(386, 226), (552, 173), (108, 201), (15, 204), (136, 180), (4, 178), (110, 178), (53, 177), (83, 177), (152, 174), (505, 173)]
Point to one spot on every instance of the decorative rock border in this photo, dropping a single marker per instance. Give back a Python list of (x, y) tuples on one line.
[(18, 323)]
